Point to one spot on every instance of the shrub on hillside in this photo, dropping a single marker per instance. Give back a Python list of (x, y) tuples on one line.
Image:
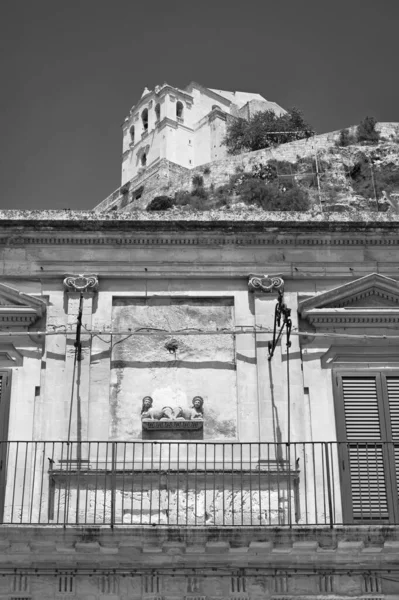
[(182, 198), (265, 129), (369, 181), (366, 131), (198, 187), (160, 203), (271, 196), (222, 195), (197, 181), (291, 199), (346, 138), (253, 191), (200, 192)]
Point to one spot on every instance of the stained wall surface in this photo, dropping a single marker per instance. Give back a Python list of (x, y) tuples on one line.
[(203, 365)]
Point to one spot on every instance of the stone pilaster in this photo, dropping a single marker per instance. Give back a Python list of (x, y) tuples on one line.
[(271, 420), (79, 288)]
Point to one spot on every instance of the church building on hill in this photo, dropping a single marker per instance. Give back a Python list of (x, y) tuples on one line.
[(185, 126)]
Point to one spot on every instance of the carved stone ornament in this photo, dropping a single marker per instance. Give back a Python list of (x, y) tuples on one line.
[(172, 418), (265, 283), (81, 283)]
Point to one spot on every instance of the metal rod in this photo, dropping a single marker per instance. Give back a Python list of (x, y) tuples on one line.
[(328, 475), (113, 482)]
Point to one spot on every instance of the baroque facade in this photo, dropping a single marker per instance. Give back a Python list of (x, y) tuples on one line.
[(198, 409)]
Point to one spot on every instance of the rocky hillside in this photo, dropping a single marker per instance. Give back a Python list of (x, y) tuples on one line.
[(315, 175)]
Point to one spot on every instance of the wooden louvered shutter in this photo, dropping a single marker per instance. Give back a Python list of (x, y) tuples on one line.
[(364, 450), (392, 393), (392, 384)]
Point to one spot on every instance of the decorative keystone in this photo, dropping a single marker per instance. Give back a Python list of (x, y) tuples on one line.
[(81, 283), (266, 283)]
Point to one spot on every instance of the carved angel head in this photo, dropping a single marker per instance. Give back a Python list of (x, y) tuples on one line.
[(198, 403), (147, 403)]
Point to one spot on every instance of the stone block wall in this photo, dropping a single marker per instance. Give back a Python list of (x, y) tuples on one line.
[(155, 181)]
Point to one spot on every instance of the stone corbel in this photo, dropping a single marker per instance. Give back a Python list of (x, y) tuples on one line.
[(266, 283), (81, 283)]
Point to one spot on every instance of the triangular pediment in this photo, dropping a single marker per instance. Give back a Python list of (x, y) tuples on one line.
[(18, 309), (372, 298)]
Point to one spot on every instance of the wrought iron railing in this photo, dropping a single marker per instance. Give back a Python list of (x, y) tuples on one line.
[(196, 483)]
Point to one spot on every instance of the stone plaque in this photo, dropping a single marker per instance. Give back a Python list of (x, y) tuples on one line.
[(151, 424)]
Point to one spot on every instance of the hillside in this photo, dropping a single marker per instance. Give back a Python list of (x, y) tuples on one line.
[(315, 175)]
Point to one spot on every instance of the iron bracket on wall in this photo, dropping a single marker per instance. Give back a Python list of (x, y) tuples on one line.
[(78, 342), (282, 319)]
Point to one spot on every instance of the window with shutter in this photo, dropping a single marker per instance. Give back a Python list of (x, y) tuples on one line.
[(368, 426)]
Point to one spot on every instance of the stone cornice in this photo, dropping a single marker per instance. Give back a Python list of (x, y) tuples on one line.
[(350, 233), (18, 309), (315, 549), (337, 318), (85, 236), (168, 122), (168, 89), (217, 113)]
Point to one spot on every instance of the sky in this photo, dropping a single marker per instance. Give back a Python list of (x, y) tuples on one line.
[(71, 70)]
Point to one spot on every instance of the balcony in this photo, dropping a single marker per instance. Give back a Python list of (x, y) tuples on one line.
[(196, 483)]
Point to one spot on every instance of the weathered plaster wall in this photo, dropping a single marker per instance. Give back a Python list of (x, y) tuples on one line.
[(202, 365)]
